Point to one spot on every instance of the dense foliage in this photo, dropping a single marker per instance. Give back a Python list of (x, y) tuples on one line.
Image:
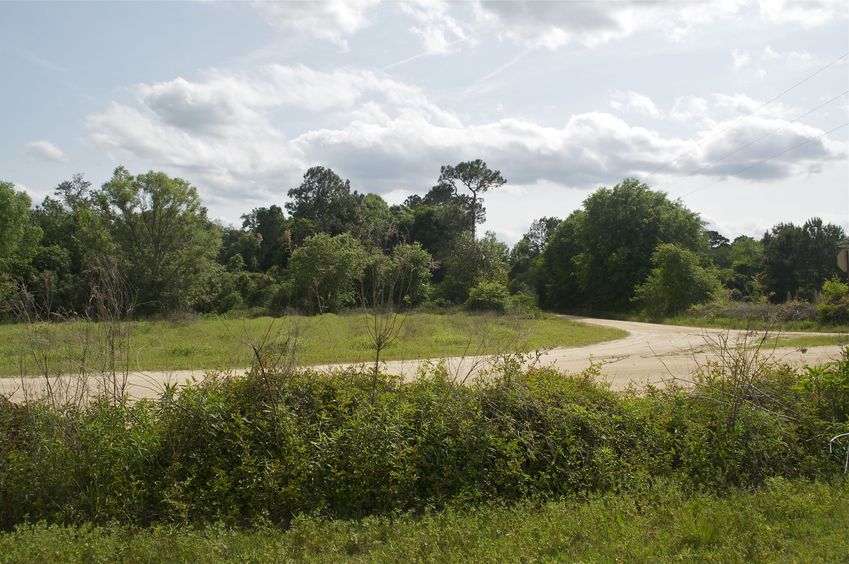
[(628, 248), (271, 446)]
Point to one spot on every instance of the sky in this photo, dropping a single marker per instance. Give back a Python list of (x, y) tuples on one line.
[(740, 109)]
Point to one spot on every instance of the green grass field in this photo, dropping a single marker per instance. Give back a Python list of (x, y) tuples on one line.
[(786, 521), (226, 343)]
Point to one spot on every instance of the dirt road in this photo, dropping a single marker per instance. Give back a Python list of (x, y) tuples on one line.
[(651, 353)]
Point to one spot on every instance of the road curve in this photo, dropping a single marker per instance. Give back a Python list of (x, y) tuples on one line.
[(650, 354)]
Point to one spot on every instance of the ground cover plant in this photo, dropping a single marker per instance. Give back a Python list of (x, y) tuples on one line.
[(220, 343), (786, 520)]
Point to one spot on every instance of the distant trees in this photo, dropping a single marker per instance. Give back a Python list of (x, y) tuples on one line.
[(470, 262), (475, 177), (326, 201), (599, 254), (525, 255), (796, 260), (19, 237), (161, 233), (626, 247)]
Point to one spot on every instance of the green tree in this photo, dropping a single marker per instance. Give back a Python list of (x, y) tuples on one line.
[(19, 238), (797, 260), (76, 240), (375, 224), (525, 254), (615, 236), (475, 177), (164, 239), (19, 242), (326, 200), (558, 285), (326, 272), (437, 228), (676, 282), (267, 227), (470, 262), (743, 277)]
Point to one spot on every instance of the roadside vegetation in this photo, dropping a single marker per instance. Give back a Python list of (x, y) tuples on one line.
[(221, 343), (314, 464)]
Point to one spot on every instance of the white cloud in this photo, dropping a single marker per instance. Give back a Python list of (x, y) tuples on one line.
[(555, 24), (769, 54), (47, 151), (737, 148), (635, 102), (690, 109), (807, 13), (388, 136), (741, 58), (331, 20), (439, 31)]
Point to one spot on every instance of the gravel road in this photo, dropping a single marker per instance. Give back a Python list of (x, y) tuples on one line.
[(651, 353)]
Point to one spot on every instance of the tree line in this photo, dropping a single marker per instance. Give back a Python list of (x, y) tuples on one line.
[(628, 247)]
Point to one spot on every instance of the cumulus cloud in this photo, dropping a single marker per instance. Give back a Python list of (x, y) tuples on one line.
[(331, 20), (439, 31), (554, 24), (47, 151), (761, 148), (635, 102), (388, 136), (551, 24)]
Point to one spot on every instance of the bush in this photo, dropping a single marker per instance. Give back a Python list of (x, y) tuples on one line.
[(834, 303), (676, 282), (488, 296), (267, 447)]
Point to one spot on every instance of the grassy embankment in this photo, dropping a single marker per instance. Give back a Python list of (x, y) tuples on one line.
[(225, 343), (788, 520)]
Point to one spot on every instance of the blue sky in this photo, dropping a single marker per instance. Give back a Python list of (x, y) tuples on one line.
[(562, 97)]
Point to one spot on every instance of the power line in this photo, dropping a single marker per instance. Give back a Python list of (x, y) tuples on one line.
[(756, 110), (811, 140), (767, 134)]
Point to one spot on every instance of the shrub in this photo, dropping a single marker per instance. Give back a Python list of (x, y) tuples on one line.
[(267, 447), (834, 303), (676, 282), (488, 296)]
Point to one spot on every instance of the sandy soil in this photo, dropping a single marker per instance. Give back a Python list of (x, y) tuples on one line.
[(651, 353)]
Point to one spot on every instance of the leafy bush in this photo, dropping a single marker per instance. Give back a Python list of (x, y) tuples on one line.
[(267, 447), (834, 303), (676, 282), (488, 296)]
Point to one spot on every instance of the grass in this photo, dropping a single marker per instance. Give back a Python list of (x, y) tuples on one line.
[(204, 344), (813, 340), (732, 323), (787, 521)]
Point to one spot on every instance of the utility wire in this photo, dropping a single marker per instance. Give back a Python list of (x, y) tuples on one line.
[(750, 167), (765, 135), (759, 108)]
